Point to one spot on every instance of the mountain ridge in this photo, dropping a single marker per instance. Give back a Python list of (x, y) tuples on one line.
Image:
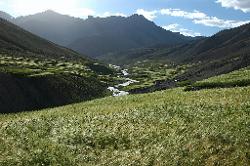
[(96, 36)]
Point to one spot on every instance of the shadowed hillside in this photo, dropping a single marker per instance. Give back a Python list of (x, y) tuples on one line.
[(13, 39), (20, 93), (35, 73)]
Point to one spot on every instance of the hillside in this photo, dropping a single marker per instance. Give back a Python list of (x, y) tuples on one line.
[(122, 91), (5, 16), (221, 53), (15, 40), (237, 78), (225, 44), (35, 73), (224, 52), (171, 127), (96, 36)]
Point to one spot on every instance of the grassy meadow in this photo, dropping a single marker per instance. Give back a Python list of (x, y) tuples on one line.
[(238, 78), (32, 67), (172, 127), (149, 72), (36, 67)]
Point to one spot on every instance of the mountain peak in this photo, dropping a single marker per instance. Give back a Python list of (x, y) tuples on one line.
[(137, 16), (49, 11)]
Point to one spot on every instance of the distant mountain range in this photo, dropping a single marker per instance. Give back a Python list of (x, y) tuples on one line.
[(96, 36)]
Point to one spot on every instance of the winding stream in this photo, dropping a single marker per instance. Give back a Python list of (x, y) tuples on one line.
[(116, 91)]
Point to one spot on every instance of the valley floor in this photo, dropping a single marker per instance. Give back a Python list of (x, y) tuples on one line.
[(172, 127)]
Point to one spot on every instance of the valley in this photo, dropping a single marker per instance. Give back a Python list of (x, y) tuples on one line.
[(199, 121), (122, 90), (116, 92)]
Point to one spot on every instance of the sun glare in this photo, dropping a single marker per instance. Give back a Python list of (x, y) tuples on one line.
[(71, 7)]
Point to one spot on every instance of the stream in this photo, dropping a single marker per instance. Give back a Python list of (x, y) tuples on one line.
[(115, 90)]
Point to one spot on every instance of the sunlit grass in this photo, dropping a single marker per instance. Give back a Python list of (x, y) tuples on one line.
[(239, 78), (36, 67), (208, 127), (148, 73)]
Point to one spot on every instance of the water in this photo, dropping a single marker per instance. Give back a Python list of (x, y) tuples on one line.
[(125, 72), (116, 91)]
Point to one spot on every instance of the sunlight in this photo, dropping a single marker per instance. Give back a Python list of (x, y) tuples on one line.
[(71, 7)]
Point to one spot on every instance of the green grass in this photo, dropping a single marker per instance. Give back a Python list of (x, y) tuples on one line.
[(148, 72), (32, 82), (173, 127), (239, 78), (32, 67), (35, 67)]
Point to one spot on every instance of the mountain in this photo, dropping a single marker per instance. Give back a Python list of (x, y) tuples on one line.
[(225, 45), (60, 29), (15, 39), (96, 36), (118, 33), (36, 73), (221, 53), (5, 16)]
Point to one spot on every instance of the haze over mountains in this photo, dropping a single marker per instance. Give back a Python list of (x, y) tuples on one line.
[(96, 36), (16, 40)]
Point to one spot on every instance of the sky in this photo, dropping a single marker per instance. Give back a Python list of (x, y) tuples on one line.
[(189, 17)]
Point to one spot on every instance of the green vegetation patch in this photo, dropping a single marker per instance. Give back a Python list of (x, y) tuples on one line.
[(148, 73), (38, 67), (35, 67), (239, 78), (29, 83), (208, 127)]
